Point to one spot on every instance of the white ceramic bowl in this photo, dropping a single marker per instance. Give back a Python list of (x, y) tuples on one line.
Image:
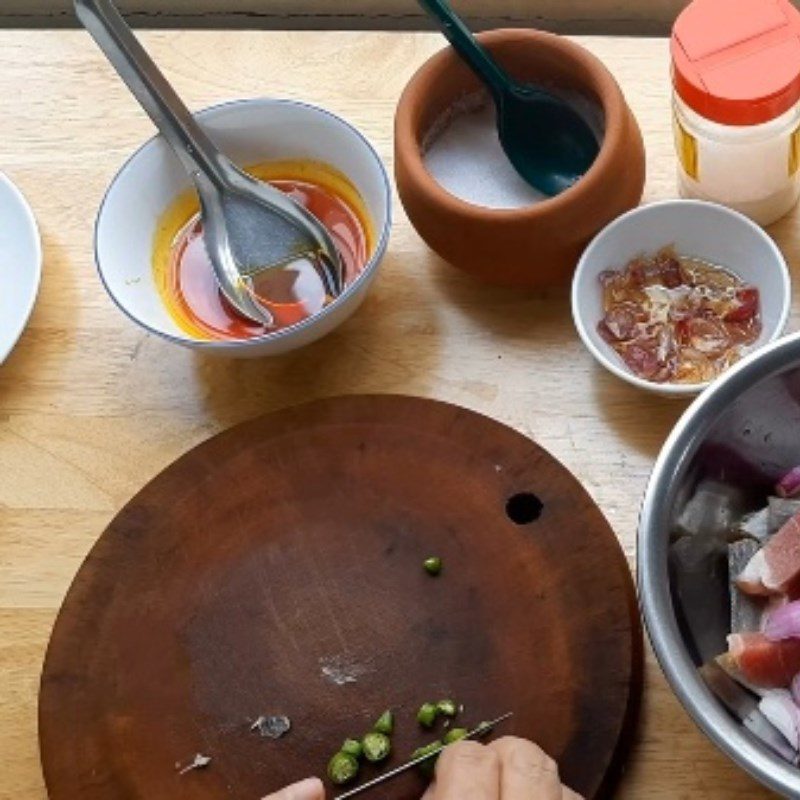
[(697, 229), (248, 131), (20, 265)]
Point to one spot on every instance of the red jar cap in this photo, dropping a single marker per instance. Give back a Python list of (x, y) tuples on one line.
[(737, 61)]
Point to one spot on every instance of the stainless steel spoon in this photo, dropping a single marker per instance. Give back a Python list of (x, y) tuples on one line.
[(259, 240)]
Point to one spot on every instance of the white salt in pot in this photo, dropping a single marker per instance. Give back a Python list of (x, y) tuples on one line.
[(536, 245)]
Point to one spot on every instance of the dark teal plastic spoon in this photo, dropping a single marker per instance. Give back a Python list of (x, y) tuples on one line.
[(549, 143)]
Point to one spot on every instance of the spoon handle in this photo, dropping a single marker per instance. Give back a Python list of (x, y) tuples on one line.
[(465, 44), (154, 93)]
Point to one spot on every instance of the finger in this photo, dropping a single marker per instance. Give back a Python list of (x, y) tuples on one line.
[(568, 794), (468, 771), (430, 792), (310, 789), (526, 771)]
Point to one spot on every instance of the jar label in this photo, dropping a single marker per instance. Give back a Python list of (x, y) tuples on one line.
[(794, 152), (686, 148)]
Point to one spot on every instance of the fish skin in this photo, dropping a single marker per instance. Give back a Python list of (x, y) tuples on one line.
[(775, 569), (746, 610), (780, 511)]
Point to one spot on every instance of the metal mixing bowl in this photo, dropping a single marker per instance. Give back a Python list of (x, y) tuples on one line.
[(743, 431)]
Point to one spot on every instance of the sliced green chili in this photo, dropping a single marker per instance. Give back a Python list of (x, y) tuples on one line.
[(455, 735), (342, 768), (427, 767), (447, 708), (385, 723), (352, 747), (376, 746), (433, 565), (426, 716), (428, 749)]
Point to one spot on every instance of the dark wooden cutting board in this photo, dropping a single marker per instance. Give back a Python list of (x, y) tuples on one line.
[(277, 569)]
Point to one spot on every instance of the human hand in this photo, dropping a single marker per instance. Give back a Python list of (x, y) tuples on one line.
[(310, 789), (507, 769)]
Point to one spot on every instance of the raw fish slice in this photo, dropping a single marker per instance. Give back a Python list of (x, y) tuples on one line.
[(740, 554), (713, 510), (726, 663), (744, 707), (779, 708), (771, 665), (781, 510), (756, 524), (738, 697), (765, 732), (775, 568), (751, 579), (699, 570), (745, 610)]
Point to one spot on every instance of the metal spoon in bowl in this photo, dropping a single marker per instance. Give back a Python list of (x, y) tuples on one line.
[(548, 142), (264, 247)]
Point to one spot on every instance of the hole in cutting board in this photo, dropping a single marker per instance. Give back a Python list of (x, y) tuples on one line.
[(524, 508)]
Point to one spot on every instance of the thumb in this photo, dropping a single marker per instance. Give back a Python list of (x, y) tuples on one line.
[(309, 789)]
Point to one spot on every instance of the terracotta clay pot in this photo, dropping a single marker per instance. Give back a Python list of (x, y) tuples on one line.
[(538, 245)]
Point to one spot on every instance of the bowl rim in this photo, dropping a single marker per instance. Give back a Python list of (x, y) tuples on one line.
[(654, 588), (409, 146), (604, 355), (291, 330), (38, 259)]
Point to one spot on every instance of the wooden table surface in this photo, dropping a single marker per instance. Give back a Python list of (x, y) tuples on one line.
[(91, 407)]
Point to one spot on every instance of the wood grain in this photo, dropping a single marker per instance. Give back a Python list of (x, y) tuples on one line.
[(277, 569), (585, 16), (91, 408)]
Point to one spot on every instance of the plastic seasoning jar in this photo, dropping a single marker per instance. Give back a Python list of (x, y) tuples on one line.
[(736, 104)]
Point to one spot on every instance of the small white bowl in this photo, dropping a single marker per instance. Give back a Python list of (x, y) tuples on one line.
[(20, 264), (696, 229), (248, 131)]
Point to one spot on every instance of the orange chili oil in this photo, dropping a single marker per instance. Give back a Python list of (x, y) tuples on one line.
[(186, 278)]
